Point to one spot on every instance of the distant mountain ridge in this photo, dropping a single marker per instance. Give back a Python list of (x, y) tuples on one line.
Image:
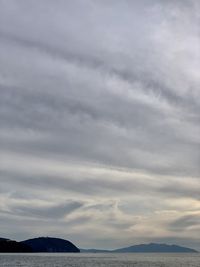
[(145, 248), (50, 244), (154, 247)]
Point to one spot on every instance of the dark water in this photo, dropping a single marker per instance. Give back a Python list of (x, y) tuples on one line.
[(100, 260)]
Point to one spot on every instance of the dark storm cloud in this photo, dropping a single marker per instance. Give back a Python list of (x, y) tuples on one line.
[(99, 99)]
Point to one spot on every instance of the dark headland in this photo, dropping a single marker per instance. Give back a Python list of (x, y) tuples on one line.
[(50, 244), (12, 246), (40, 244)]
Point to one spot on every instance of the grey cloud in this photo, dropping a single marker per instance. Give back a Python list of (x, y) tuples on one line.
[(54, 52), (185, 222), (52, 212), (39, 212), (183, 190), (113, 84), (83, 185), (78, 120), (97, 186)]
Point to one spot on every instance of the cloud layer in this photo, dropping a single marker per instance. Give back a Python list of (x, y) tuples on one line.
[(100, 121)]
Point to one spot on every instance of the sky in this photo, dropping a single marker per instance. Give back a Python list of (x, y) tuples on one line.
[(100, 121)]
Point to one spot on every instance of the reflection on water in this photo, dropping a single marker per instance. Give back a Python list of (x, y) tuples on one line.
[(100, 260)]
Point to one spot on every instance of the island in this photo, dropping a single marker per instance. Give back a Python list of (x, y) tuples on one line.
[(155, 248), (145, 248)]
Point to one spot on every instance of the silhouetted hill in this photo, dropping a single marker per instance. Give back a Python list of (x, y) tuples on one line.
[(152, 247), (49, 244), (1, 239), (7, 246)]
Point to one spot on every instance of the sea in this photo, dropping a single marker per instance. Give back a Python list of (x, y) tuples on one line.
[(100, 260)]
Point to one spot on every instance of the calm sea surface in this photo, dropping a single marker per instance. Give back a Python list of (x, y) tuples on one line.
[(100, 260)]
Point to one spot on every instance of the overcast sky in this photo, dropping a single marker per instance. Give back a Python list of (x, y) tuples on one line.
[(100, 121)]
